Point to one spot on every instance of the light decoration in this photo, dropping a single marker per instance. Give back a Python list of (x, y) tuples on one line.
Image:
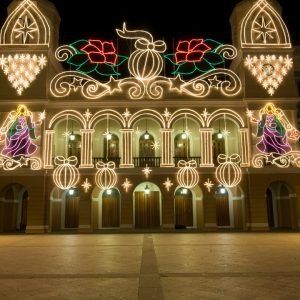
[(106, 176), (145, 64), (22, 69), (166, 114), (205, 114), (269, 70), (137, 132), (229, 173), (168, 184), (208, 184), (126, 185), (263, 27), (155, 145), (95, 56), (86, 185), (126, 114), (25, 25), (66, 175), (187, 176), (146, 171), (274, 130), (18, 135), (87, 115)]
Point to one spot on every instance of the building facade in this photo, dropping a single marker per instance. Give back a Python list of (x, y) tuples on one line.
[(93, 138)]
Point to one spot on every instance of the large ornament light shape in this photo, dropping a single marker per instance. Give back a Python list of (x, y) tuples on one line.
[(66, 175), (229, 173), (106, 176), (187, 175), (146, 62)]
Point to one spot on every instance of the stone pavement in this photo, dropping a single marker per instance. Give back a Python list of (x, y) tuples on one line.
[(151, 266)]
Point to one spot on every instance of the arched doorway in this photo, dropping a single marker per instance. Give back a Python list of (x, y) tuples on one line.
[(281, 206), (64, 209), (222, 207), (13, 208), (110, 208), (147, 206), (183, 208)]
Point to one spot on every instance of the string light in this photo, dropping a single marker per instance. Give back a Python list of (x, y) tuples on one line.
[(86, 185), (187, 176), (126, 185), (146, 171), (168, 184), (263, 27), (25, 23), (208, 184)]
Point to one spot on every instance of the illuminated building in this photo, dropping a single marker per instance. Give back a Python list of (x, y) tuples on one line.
[(94, 138)]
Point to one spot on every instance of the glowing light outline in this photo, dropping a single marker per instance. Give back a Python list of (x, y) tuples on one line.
[(25, 7), (168, 184), (187, 175), (261, 5)]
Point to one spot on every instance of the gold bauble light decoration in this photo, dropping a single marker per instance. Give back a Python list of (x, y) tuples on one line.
[(106, 176), (187, 175), (229, 173), (65, 175)]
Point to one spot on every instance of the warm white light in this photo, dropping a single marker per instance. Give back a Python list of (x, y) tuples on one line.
[(184, 135), (108, 136), (146, 135), (222, 190), (72, 137), (147, 190), (184, 191), (108, 192), (71, 191), (220, 135)]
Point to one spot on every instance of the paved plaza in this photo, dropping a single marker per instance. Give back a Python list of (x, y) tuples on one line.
[(151, 266)]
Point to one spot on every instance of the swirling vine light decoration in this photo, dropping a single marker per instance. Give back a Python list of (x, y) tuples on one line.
[(284, 161), (64, 52), (227, 51), (63, 83), (200, 87)]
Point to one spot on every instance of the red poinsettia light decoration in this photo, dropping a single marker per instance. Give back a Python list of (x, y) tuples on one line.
[(190, 51), (100, 52)]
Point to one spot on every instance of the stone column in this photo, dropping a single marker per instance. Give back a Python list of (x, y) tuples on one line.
[(167, 148), (86, 148), (206, 147), (126, 151)]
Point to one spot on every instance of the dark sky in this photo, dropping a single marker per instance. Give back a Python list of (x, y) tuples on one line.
[(164, 19)]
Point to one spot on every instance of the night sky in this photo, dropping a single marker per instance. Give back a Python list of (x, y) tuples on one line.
[(172, 22)]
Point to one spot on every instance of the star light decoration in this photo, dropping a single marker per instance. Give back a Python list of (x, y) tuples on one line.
[(66, 134), (87, 114), (155, 145), (265, 30), (126, 185), (42, 116), (137, 132), (86, 185), (208, 184), (146, 171), (205, 114), (167, 114), (168, 184), (126, 114), (24, 29)]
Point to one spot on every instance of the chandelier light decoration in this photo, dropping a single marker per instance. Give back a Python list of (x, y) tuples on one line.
[(187, 175), (269, 70), (106, 176), (229, 173), (274, 131), (66, 175), (22, 69)]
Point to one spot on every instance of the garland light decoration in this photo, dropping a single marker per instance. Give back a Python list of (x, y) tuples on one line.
[(187, 175), (229, 173), (22, 69), (269, 70), (66, 175), (106, 176), (145, 63)]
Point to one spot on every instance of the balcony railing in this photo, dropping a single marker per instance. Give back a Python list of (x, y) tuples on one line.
[(116, 160), (141, 162), (196, 158)]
